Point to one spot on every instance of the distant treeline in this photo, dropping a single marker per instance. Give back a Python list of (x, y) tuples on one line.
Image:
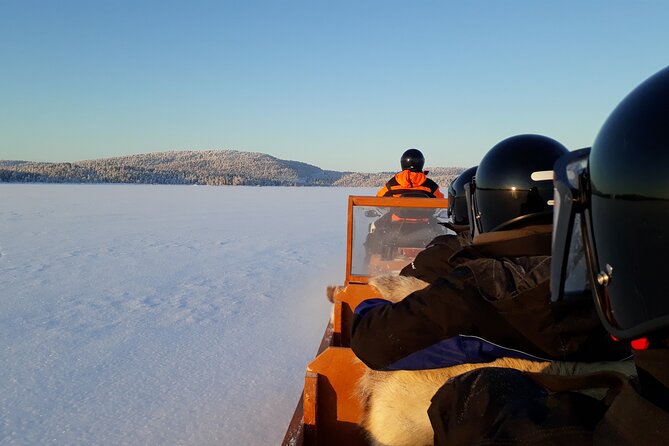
[(213, 167)]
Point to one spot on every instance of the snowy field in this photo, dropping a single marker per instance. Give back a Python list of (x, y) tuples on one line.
[(161, 315)]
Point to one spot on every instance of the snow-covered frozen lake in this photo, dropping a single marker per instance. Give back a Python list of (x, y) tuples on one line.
[(135, 314)]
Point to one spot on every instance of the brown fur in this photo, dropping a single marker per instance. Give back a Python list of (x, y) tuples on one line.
[(331, 292), (392, 288), (396, 288), (395, 403)]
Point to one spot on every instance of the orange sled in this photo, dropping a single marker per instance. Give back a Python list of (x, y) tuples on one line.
[(328, 412)]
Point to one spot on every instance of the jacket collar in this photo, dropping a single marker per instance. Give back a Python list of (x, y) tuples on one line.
[(529, 241)]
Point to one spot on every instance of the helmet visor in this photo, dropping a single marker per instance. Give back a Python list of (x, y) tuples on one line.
[(451, 201), (474, 228), (626, 243), (569, 273)]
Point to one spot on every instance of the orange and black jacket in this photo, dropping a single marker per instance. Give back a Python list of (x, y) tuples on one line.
[(407, 181)]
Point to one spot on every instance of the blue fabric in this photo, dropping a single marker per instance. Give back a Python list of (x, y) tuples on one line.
[(369, 304), (457, 350)]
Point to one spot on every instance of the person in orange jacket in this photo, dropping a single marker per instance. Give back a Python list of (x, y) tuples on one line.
[(411, 179)]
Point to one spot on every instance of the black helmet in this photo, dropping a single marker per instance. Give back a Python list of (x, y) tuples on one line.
[(457, 202), (512, 185), (412, 160), (614, 212)]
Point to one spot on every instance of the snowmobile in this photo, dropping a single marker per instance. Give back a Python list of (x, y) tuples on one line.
[(328, 412)]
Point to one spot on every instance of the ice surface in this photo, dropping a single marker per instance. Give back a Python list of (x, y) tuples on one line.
[(161, 314)]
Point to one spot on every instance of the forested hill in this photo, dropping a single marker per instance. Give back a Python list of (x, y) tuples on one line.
[(213, 167)]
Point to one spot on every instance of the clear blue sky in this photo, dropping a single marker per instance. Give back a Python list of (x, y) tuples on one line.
[(344, 85)]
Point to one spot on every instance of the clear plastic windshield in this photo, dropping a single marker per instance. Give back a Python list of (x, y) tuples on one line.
[(385, 239)]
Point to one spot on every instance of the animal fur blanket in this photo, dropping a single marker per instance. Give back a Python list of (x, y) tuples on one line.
[(395, 403), (392, 288)]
